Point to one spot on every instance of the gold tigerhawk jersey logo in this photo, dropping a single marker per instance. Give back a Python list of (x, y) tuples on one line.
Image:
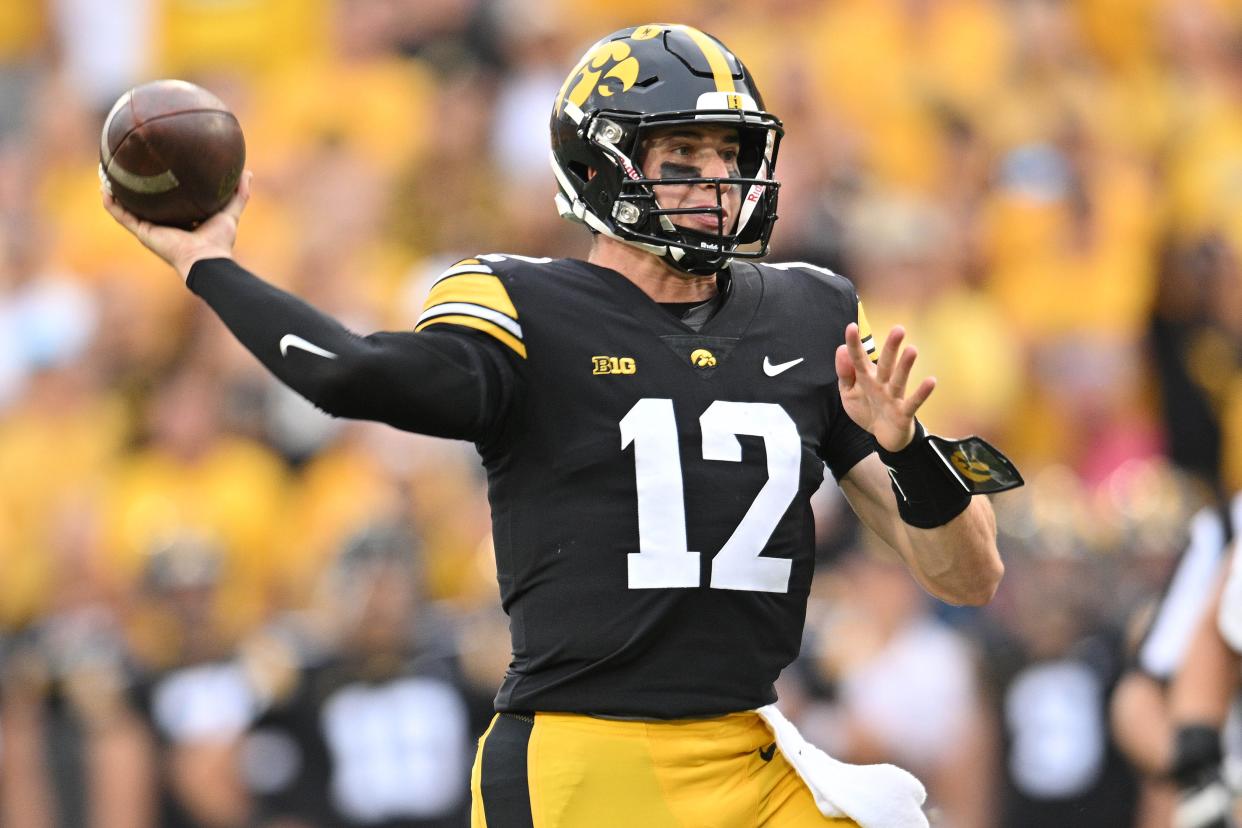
[(613, 365), (703, 358), (975, 470)]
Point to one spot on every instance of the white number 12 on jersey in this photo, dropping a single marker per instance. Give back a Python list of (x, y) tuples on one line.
[(663, 559)]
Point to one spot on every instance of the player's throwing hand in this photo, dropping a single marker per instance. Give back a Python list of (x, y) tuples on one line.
[(212, 239)]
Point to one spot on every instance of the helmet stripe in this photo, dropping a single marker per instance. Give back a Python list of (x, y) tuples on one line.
[(716, 59)]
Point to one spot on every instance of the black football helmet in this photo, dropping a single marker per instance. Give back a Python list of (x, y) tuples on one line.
[(648, 77)]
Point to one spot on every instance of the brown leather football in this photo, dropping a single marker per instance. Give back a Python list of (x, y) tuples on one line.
[(171, 152)]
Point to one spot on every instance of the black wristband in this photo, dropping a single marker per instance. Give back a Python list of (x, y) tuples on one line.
[(928, 495), (1197, 753)]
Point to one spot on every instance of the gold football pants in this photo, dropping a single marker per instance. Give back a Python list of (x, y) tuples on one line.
[(560, 770)]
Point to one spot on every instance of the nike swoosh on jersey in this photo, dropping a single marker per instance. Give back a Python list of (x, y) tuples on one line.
[(781, 367), (294, 341)]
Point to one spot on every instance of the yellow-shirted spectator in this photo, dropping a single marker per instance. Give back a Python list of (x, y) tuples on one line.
[(247, 36), (450, 509), (94, 248), (61, 438), (880, 69), (1121, 32), (381, 107), (859, 65), (910, 269), (967, 344), (194, 477), (340, 490), (1058, 263), (365, 475), (23, 27), (583, 20), (1204, 167), (964, 51)]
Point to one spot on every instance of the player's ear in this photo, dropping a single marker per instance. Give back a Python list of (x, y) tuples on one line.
[(590, 173)]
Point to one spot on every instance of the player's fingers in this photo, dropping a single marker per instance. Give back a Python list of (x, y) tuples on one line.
[(845, 368), (914, 402), (888, 355), (238, 202), (854, 348), (124, 217), (901, 373)]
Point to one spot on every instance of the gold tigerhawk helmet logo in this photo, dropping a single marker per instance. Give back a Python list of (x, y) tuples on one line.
[(614, 57), (703, 358)]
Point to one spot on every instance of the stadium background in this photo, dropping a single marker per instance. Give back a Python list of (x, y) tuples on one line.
[(1047, 194)]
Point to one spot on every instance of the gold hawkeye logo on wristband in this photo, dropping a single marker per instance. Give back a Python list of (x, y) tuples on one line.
[(976, 470), (977, 464)]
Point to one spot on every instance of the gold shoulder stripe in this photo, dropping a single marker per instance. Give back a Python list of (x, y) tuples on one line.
[(716, 59), (473, 288), (479, 325), (495, 317), (864, 333), (458, 269)]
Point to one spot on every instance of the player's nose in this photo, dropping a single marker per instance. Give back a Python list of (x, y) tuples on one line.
[(715, 166)]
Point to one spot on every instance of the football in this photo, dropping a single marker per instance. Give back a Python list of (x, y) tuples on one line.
[(171, 153)]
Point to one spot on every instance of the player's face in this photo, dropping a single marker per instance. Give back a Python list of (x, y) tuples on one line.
[(709, 151)]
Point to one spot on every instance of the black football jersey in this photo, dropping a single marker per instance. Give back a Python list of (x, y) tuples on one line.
[(650, 484), (352, 746)]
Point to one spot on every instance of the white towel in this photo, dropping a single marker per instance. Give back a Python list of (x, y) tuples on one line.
[(874, 796)]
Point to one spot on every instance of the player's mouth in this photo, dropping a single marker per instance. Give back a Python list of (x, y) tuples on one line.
[(706, 222)]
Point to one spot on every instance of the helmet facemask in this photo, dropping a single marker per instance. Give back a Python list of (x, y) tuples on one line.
[(628, 202)]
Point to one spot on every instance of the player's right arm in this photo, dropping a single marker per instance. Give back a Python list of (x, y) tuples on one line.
[(1200, 697), (446, 382)]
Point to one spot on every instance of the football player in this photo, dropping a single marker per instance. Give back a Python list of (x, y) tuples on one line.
[(364, 720), (653, 422), (1203, 703), (1140, 714)]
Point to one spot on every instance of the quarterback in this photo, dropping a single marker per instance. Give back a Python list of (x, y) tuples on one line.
[(653, 422)]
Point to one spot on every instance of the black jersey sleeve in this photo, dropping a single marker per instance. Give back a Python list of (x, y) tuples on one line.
[(445, 382), (848, 443)]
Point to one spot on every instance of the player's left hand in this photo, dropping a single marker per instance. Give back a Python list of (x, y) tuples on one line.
[(874, 394)]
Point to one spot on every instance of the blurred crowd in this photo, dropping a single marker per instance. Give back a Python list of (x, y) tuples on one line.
[(219, 607)]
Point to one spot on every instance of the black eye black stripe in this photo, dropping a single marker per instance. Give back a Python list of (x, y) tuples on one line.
[(670, 169)]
